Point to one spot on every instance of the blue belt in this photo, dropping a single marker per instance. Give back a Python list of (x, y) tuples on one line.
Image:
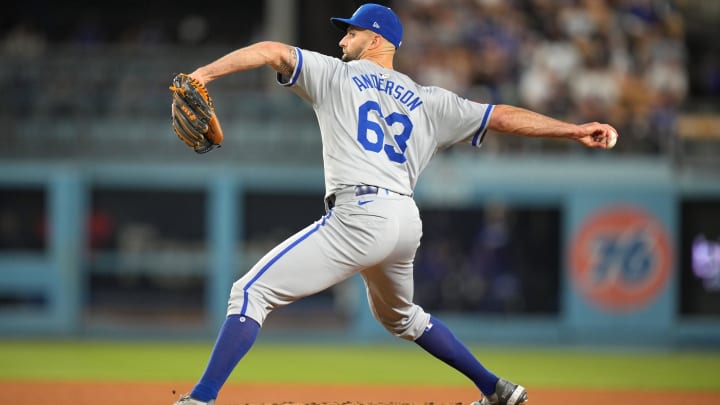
[(359, 190), (364, 189)]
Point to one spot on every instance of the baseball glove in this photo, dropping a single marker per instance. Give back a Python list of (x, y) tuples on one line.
[(193, 114)]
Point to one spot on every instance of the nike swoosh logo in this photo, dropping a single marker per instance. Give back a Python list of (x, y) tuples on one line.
[(363, 202)]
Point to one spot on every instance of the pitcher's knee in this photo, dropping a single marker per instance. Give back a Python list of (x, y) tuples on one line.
[(406, 325), (249, 302)]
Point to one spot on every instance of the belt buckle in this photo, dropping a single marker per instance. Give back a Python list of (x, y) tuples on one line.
[(366, 189)]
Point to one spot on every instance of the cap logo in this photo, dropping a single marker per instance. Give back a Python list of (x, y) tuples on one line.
[(376, 25)]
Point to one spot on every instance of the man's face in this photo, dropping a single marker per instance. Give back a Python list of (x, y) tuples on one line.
[(355, 42)]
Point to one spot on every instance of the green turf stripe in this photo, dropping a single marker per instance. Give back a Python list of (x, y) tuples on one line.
[(404, 364)]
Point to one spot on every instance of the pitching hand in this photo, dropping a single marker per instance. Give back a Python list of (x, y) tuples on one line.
[(597, 135)]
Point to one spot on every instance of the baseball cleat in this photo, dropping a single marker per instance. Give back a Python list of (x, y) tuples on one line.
[(186, 400), (506, 393)]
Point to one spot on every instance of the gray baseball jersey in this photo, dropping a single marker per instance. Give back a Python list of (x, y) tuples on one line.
[(379, 128)]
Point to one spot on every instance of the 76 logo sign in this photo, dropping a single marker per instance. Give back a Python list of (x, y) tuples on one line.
[(620, 259)]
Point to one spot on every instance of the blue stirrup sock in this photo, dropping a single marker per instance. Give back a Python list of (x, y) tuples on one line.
[(235, 339), (439, 341)]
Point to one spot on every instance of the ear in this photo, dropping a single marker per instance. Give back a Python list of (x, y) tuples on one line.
[(376, 41)]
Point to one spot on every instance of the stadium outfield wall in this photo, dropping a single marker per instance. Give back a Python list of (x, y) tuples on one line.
[(620, 241)]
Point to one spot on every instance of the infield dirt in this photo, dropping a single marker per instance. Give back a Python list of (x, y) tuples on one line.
[(165, 393)]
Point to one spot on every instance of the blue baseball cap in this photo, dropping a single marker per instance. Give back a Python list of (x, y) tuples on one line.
[(374, 17)]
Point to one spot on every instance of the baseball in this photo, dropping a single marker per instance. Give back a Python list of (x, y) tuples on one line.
[(611, 139)]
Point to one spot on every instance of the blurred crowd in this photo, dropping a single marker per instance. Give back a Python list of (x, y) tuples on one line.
[(616, 61)]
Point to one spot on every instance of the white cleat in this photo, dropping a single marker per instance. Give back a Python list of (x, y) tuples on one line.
[(186, 400), (506, 393)]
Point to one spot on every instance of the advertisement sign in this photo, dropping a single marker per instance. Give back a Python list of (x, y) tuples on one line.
[(620, 258), (620, 279)]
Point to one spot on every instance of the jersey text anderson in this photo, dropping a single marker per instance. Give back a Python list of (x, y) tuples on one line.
[(388, 87)]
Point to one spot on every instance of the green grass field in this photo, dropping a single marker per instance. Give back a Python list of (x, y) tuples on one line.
[(157, 361)]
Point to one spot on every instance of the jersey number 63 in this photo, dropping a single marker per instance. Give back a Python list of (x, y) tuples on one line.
[(395, 154)]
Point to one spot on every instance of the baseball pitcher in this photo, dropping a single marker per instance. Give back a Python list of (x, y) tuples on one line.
[(379, 130)]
